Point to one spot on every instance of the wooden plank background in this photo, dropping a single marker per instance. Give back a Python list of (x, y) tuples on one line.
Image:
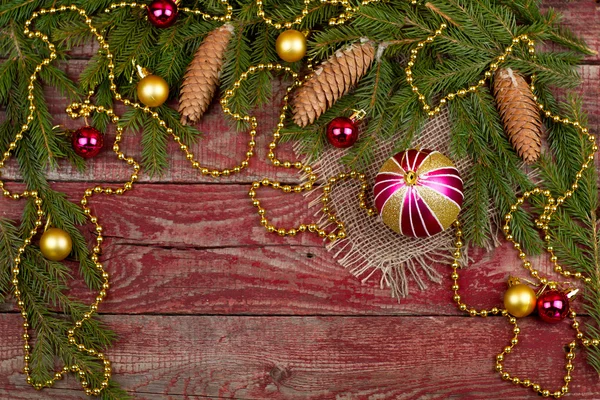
[(207, 305)]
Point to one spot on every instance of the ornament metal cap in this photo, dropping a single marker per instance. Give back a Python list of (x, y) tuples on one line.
[(358, 115), (142, 71), (514, 280)]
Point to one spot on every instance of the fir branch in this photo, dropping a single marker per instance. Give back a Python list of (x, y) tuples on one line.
[(42, 283), (154, 147)]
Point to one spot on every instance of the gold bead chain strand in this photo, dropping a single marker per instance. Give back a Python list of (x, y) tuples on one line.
[(542, 222), (342, 18), (338, 232), (216, 173), (434, 110), (207, 17), (75, 110), (500, 358)]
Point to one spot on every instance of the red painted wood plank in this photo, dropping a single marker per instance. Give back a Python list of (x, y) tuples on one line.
[(182, 216), (20, 393), (307, 357), (210, 256), (221, 146), (276, 280)]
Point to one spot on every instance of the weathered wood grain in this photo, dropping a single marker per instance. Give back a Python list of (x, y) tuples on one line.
[(19, 393), (308, 357), (198, 249), (276, 280)]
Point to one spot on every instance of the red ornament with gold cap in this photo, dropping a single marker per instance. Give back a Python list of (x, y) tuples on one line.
[(342, 132), (553, 306), (418, 192)]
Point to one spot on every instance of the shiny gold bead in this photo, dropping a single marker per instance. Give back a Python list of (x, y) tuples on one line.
[(569, 367)]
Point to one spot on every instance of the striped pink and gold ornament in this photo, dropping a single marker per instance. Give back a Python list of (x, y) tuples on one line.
[(418, 192)]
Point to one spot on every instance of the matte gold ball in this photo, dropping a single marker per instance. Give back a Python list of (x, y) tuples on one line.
[(520, 300), (56, 244), (153, 90), (291, 45)]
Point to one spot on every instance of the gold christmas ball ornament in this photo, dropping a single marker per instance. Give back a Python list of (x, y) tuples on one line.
[(291, 45), (152, 90), (56, 244), (520, 300)]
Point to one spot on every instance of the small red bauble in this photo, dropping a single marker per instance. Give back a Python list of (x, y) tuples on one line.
[(87, 142), (162, 13), (553, 306), (342, 132)]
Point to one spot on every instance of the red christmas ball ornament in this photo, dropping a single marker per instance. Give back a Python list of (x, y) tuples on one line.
[(162, 13), (342, 132), (87, 142), (553, 306)]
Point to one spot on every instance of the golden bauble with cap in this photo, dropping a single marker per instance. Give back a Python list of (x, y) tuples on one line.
[(152, 90), (520, 300)]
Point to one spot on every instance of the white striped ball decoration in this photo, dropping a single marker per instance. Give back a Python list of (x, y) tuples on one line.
[(418, 192)]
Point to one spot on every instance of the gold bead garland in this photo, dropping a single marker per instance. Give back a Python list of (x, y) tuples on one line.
[(542, 222), (307, 169), (85, 109), (342, 18)]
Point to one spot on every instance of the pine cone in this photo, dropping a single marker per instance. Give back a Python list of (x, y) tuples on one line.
[(520, 113), (202, 76), (333, 79)]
